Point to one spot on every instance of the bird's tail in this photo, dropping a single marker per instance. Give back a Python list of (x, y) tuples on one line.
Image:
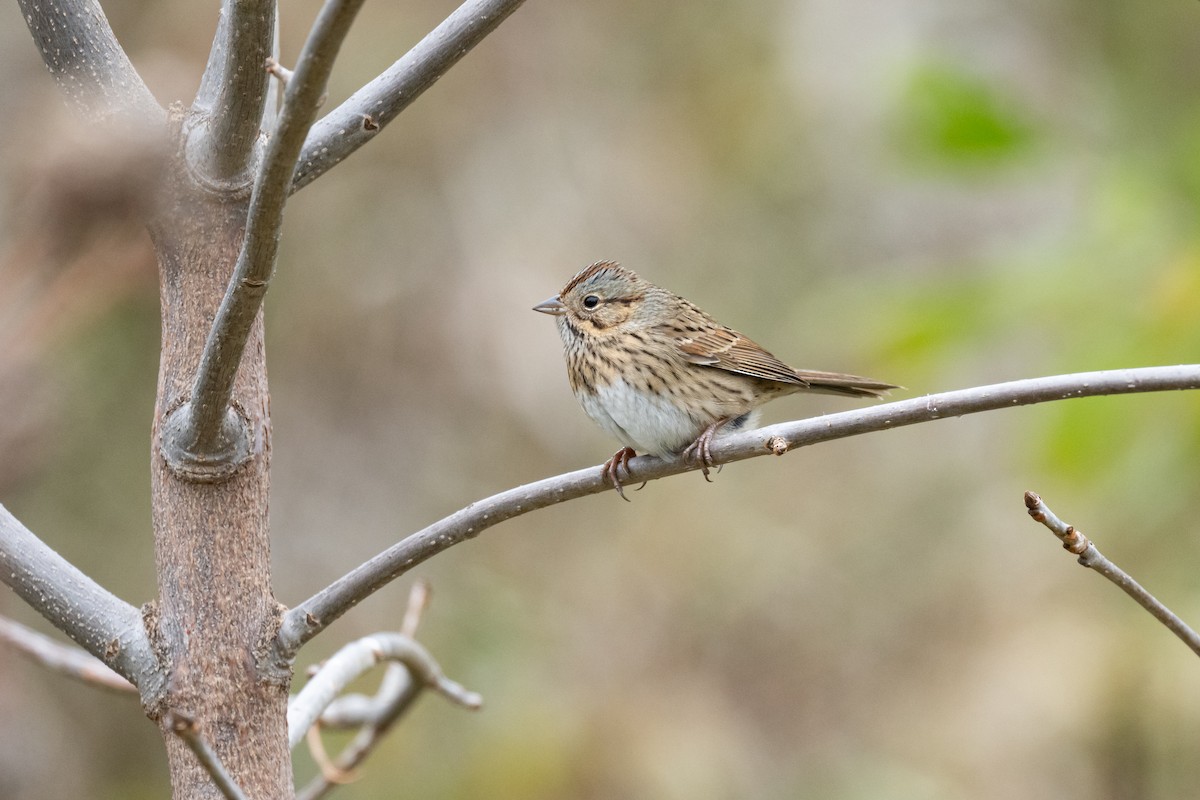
[(844, 385)]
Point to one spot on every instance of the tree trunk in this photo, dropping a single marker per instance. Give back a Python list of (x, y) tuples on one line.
[(216, 616)]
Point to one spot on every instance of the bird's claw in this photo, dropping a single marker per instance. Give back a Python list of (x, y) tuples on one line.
[(612, 470), (701, 450)]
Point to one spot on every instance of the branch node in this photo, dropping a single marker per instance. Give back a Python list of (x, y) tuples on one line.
[(1074, 541), (281, 73), (197, 145), (777, 445), (198, 464), (181, 723)]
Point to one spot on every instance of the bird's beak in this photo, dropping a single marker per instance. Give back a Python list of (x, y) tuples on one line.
[(553, 306)]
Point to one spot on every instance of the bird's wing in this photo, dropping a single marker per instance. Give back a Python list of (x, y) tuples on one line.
[(729, 350)]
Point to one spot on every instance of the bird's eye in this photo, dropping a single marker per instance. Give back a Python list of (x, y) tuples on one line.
[(591, 301)]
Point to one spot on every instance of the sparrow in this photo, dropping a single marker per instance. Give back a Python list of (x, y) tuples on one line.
[(662, 376)]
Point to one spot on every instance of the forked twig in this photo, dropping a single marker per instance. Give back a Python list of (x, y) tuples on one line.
[(205, 439), (358, 120), (358, 657), (373, 716)]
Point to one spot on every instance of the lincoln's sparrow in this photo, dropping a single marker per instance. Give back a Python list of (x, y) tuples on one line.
[(661, 375)]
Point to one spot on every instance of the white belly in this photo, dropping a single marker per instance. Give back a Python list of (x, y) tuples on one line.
[(646, 422)]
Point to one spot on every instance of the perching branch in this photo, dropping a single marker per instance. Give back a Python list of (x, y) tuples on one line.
[(228, 110), (356, 121), (206, 439), (313, 615), (82, 53), (65, 659), (355, 659), (185, 728), (1075, 542), (106, 626)]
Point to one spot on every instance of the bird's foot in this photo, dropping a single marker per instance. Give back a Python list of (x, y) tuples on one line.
[(612, 469), (700, 450)]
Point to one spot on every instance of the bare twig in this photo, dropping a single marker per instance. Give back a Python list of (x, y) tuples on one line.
[(373, 716), (1074, 541), (205, 438), (331, 774), (418, 600), (313, 615), (82, 53), (64, 659), (281, 73), (185, 728), (356, 121), (228, 110), (357, 658), (357, 710), (106, 626)]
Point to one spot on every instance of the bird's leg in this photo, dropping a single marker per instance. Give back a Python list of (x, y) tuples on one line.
[(612, 469), (700, 449)]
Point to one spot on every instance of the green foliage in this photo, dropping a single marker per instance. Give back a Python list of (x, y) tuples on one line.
[(947, 117)]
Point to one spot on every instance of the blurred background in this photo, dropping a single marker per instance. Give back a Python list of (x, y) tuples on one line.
[(937, 193)]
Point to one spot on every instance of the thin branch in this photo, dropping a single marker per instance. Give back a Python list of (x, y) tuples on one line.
[(374, 716), (329, 774), (228, 110), (82, 53), (418, 600), (64, 659), (106, 626), (313, 615), (355, 659), (356, 121), (185, 728), (279, 71), (206, 435), (1075, 542), (358, 710)]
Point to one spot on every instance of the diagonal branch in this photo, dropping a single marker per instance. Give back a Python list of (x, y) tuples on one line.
[(1075, 542), (64, 659), (313, 615), (82, 53), (228, 110), (205, 438), (356, 121), (106, 626), (186, 728)]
